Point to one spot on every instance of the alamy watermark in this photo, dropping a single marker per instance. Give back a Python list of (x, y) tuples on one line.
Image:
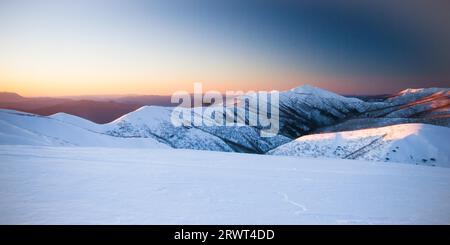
[(234, 108)]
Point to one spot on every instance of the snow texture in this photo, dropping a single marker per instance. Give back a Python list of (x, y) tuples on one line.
[(418, 144), (92, 185)]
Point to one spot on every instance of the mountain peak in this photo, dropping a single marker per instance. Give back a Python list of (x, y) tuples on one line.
[(147, 112), (421, 90), (306, 88), (318, 92)]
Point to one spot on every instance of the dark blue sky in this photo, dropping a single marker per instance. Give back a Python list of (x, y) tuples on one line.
[(343, 37)]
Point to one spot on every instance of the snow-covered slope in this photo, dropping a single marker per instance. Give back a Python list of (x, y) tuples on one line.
[(415, 93), (19, 128), (411, 103), (302, 110), (77, 121), (307, 108), (314, 92), (407, 143), (154, 122), (67, 185), (426, 105)]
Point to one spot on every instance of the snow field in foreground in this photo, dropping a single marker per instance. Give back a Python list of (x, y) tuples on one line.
[(90, 185)]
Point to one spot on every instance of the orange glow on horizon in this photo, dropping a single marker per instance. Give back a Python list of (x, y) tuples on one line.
[(120, 84), (39, 84)]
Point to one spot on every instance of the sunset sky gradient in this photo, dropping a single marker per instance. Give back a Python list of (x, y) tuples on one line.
[(59, 48)]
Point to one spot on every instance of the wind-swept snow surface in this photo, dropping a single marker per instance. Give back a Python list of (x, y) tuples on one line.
[(19, 128), (76, 185), (419, 144)]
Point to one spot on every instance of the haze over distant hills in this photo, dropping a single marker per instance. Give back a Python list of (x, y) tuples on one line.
[(94, 108)]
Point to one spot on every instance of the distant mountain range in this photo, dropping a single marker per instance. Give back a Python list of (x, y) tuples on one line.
[(99, 109), (94, 108), (305, 113)]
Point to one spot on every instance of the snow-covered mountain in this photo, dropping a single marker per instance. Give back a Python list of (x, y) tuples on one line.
[(307, 108), (418, 144), (18, 128), (154, 122), (62, 169), (302, 111), (429, 105)]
